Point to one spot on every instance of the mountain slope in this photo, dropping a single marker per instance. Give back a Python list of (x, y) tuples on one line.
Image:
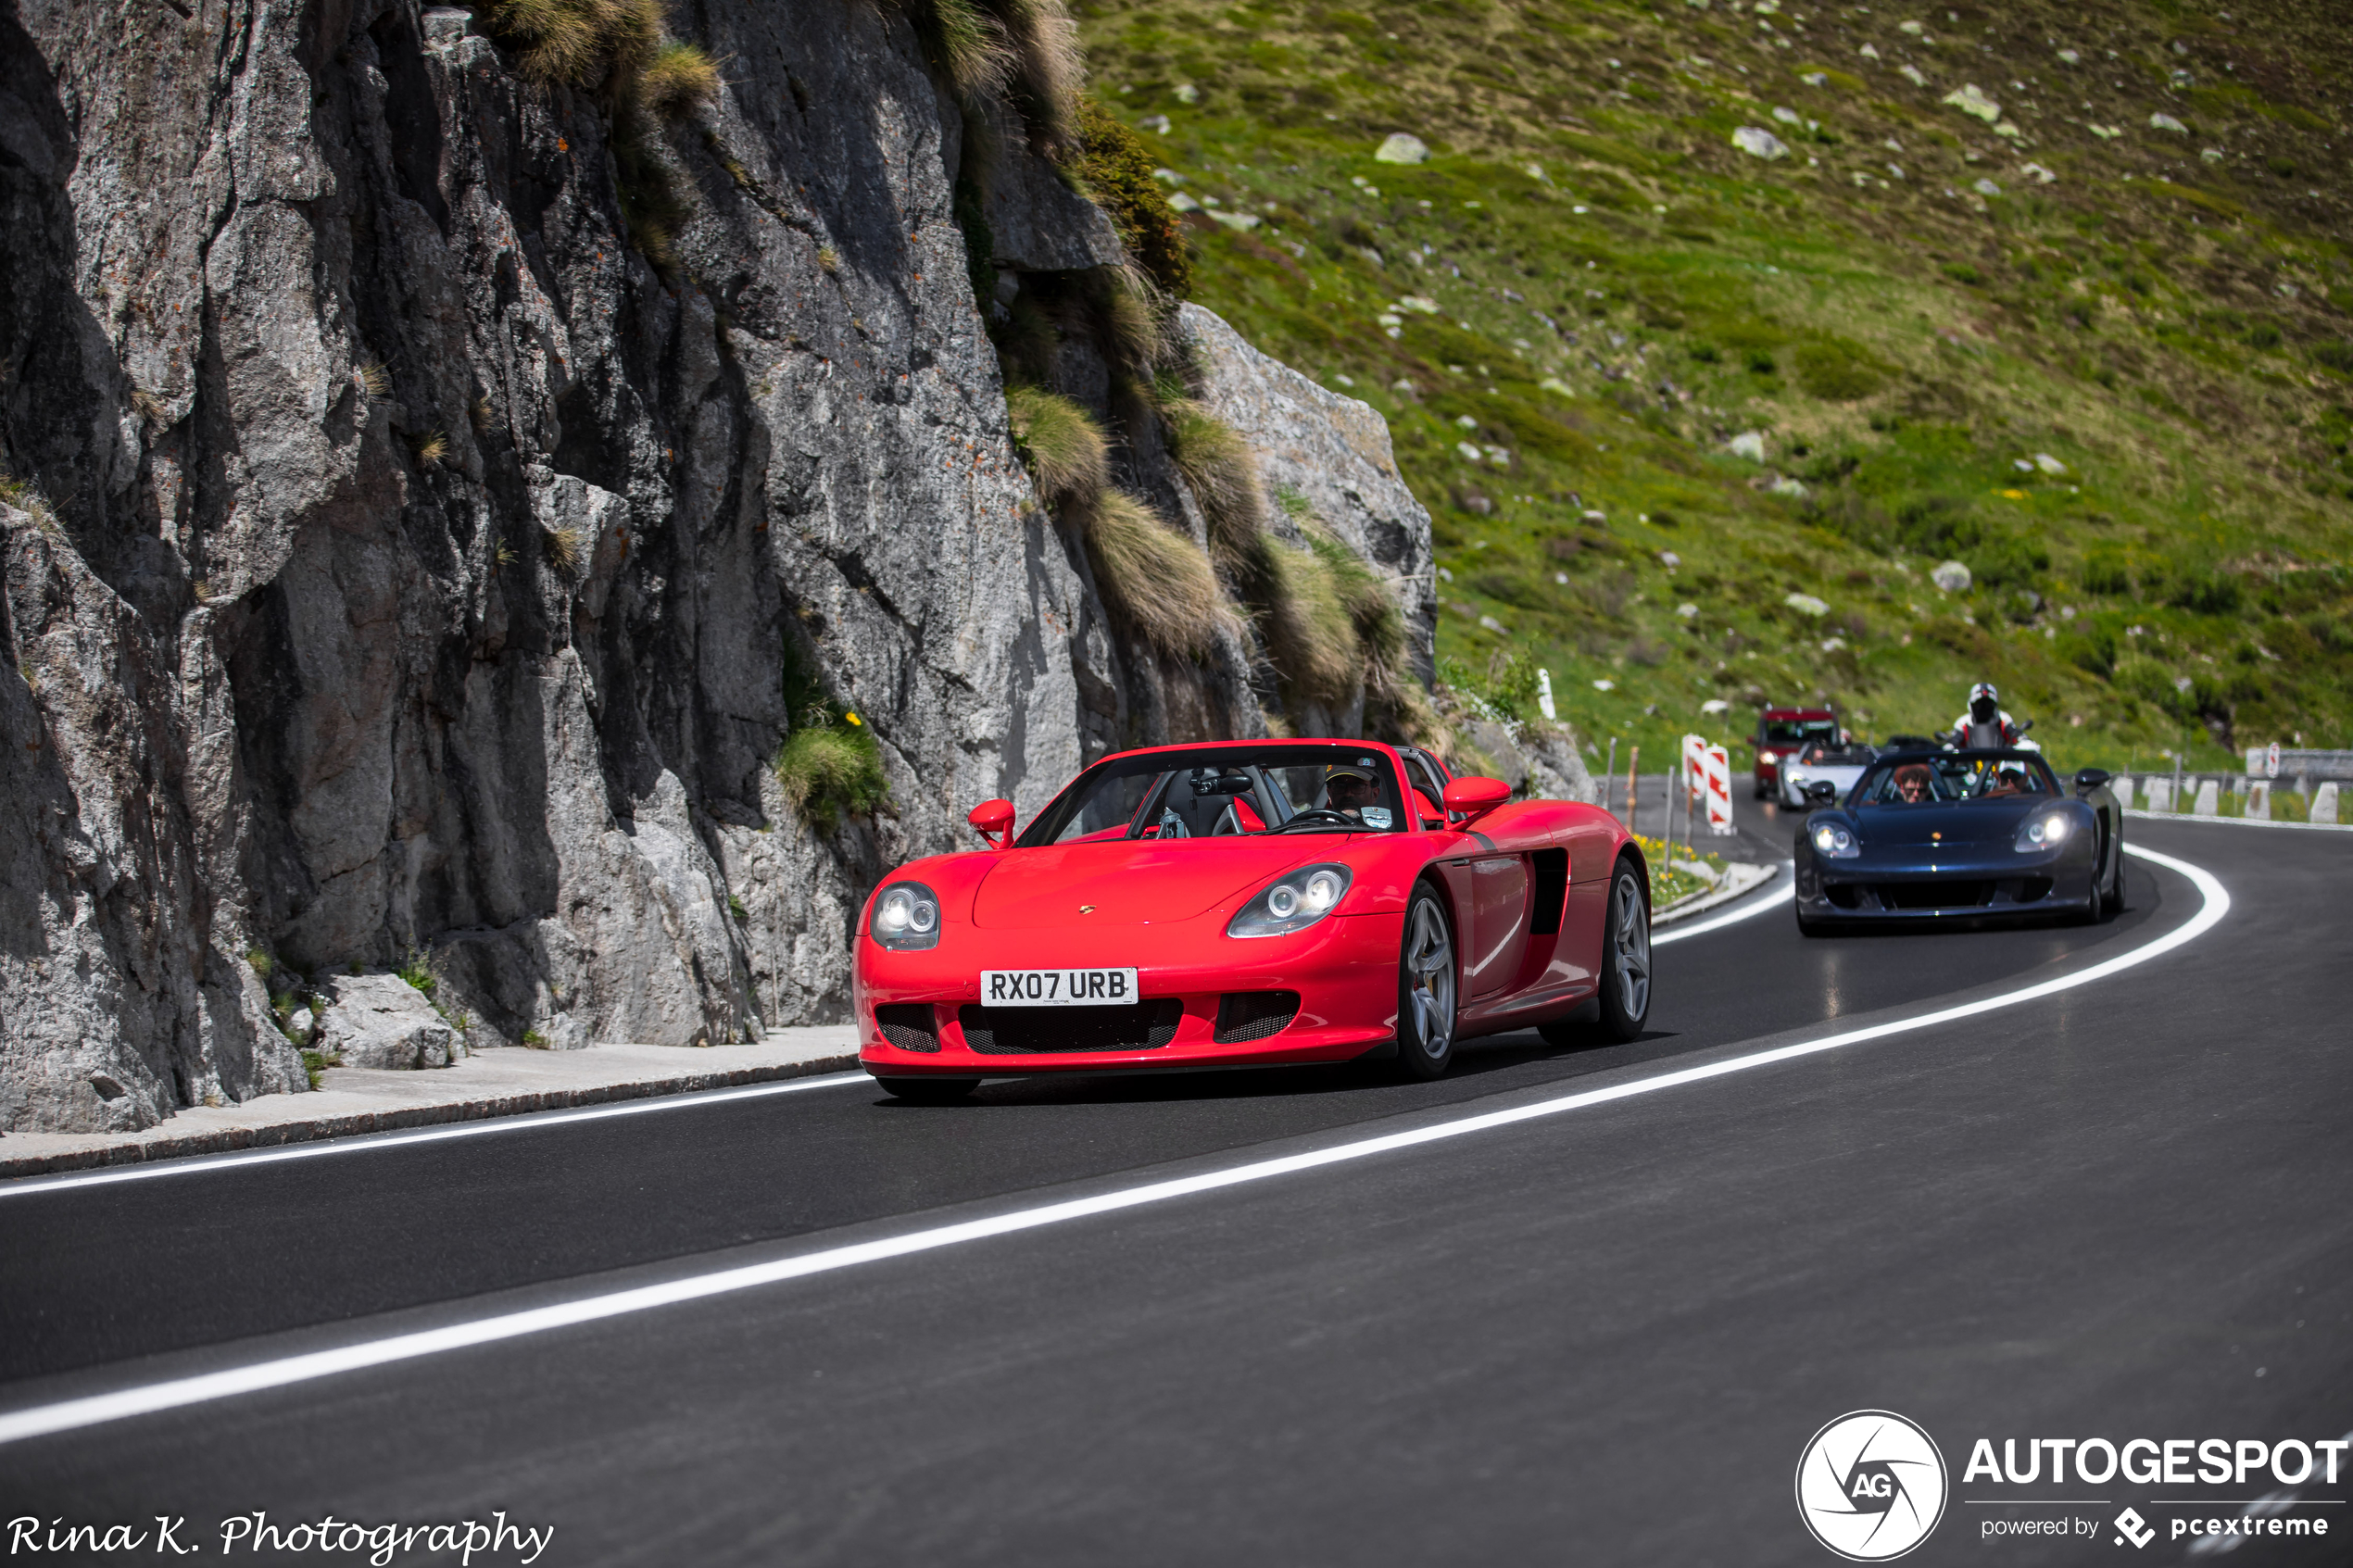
[(2054, 291)]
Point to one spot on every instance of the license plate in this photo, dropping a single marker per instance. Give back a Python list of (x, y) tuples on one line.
[(1057, 987)]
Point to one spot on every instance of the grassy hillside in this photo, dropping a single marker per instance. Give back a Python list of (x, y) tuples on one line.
[(1697, 426)]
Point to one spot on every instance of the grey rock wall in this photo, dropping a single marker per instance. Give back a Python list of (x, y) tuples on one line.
[(421, 567), (1332, 449)]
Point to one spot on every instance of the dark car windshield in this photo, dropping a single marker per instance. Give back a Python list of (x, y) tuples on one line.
[(1951, 776), (1798, 732), (1225, 791)]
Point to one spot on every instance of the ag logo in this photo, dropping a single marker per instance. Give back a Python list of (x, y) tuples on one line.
[(1871, 1485)]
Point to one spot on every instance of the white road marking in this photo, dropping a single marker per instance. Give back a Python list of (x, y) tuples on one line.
[(73, 1414), (2236, 822), (1783, 887), (360, 1143)]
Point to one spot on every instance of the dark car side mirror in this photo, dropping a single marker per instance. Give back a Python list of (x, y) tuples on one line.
[(1821, 792), (994, 821), (2092, 778)]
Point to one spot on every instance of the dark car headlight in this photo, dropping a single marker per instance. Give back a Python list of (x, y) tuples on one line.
[(2045, 830), (1834, 842), (1294, 903), (906, 917)]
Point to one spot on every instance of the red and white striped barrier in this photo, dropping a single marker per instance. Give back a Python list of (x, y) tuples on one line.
[(1708, 775)]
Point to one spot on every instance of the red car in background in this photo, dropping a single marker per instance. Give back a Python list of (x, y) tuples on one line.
[(1784, 731), (1250, 903)]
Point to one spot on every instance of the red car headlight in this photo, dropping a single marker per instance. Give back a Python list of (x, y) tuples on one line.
[(1294, 903), (906, 917)]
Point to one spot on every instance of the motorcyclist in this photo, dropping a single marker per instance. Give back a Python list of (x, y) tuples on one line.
[(1984, 725)]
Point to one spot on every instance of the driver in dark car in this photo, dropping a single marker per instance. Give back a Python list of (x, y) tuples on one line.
[(1912, 783), (1349, 789)]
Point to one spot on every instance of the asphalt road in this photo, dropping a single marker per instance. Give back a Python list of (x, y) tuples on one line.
[(1602, 1336)]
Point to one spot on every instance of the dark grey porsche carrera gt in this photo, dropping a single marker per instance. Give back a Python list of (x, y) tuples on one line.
[(1962, 836)]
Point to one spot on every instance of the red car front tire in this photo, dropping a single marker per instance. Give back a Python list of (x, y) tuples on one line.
[(1425, 988)]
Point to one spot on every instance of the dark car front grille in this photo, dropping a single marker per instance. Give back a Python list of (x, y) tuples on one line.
[(1935, 895), (1142, 1026), (908, 1026), (1253, 1015)]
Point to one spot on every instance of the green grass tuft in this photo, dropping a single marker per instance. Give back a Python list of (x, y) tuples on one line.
[(1116, 168), (414, 972), (825, 770)]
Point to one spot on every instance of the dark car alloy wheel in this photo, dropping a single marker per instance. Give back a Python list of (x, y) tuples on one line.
[(1426, 989)]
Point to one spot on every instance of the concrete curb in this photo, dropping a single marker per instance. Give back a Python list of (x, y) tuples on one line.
[(1736, 885), (163, 1144), (2236, 822)]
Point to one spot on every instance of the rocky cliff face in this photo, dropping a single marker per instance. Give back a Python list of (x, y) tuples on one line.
[(406, 568)]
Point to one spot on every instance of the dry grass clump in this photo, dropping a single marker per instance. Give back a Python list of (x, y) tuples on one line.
[(585, 44), (563, 548), (1130, 315), (432, 447), (620, 49), (1218, 467), (1305, 620), (679, 80), (1048, 67), (1023, 52), (965, 42), (374, 380), (1161, 583), (1064, 447)]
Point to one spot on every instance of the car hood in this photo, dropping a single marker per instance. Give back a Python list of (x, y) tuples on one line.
[(1136, 882), (1972, 821)]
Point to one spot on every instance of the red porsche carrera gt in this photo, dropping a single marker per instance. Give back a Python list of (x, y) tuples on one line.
[(1250, 903)]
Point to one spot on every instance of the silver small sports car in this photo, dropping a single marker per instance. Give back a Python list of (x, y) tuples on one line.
[(1824, 761), (1928, 836)]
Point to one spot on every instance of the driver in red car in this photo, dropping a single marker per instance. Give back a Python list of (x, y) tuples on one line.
[(1349, 789)]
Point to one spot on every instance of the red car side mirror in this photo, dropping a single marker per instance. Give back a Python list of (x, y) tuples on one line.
[(1474, 797), (994, 821)]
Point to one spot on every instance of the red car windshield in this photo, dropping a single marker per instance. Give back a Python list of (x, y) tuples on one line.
[(1225, 791), (1798, 732)]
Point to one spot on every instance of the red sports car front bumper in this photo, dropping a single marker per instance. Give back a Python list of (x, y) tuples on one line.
[(1205, 999)]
